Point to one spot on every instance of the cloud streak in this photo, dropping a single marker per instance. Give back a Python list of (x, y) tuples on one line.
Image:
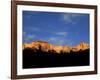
[(58, 40), (30, 37), (62, 33), (70, 18), (35, 29)]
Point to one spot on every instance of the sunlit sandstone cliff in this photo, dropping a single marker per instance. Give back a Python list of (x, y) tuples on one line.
[(45, 46)]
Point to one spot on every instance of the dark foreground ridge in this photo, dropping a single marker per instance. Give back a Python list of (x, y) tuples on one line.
[(41, 59)]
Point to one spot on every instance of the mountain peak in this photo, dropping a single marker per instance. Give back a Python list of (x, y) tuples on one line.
[(81, 46), (83, 43), (41, 41), (45, 46)]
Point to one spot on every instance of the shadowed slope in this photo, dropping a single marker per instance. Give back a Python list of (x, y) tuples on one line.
[(39, 57)]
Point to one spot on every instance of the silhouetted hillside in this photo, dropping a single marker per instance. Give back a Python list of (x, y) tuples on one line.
[(38, 58)]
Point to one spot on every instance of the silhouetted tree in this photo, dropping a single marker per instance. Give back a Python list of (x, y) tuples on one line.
[(61, 52), (40, 48)]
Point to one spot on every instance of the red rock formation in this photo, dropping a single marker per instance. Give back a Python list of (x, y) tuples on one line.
[(45, 46), (81, 46)]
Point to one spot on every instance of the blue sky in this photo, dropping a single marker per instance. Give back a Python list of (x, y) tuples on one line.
[(56, 28)]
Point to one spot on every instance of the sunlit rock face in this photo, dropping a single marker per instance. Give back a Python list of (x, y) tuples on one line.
[(45, 46), (81, 46)]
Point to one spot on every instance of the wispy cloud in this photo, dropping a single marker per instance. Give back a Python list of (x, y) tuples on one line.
[(57, 40), (30, 36), (62, 33), (70, 17), (32, 28), (60, 41), (52, 39), (24, 32), (35, 29)]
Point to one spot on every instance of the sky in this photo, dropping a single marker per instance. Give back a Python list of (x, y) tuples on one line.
[(55, 27)]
